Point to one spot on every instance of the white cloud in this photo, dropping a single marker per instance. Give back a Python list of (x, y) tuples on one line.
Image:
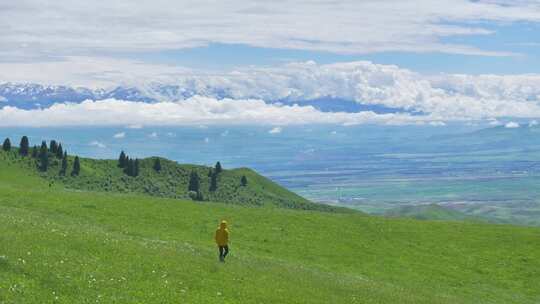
[(195, 111), (94, 72), (533, 123), (3, 99), (98, 144), (275, 130), (437, 123), (120, 135), (511, 125), (153, 135), (135, 126), (445, 95), (32, 28)]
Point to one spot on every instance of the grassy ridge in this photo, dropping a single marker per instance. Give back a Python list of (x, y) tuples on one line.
[(171, 182), (429, 212), (64, 246)]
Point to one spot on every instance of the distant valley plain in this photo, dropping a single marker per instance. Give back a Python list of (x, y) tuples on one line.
[(490, 172)]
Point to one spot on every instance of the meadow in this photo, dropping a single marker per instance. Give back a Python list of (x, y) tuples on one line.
[(66, 245)]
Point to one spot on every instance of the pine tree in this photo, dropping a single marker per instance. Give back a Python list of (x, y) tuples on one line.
[(218, 168), (43, 157), (122, 160), (35, 152), (213, 182), (130, 167), (244, 181), (126, 165), (210, 172), (136, 168), (53, 146), (76, 167), (157, 165), (7, 145), (194, 182), (59, 151), (43, 147), (44, 162), (63, 169), (24, 146)]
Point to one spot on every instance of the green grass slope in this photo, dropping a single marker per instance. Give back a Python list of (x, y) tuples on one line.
[(63, 246), (429, 212), (171, 181)]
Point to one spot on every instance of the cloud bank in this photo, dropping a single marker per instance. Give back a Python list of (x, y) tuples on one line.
[(194, 111), (445, 95), (442, 97), (34, 28)]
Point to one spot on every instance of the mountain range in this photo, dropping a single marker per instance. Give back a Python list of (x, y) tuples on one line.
[(35, 96)]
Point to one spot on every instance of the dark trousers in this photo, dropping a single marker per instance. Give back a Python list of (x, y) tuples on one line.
[(223, 251)]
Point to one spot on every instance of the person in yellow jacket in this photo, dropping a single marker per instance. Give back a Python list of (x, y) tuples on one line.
[(222, 240)]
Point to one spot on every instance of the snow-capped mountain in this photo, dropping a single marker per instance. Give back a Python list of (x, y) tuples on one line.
[(33, 96), (36, 96)]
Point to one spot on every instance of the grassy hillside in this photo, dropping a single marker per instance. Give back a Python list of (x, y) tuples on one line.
[(429, 212), (63, 246), (171, 181)]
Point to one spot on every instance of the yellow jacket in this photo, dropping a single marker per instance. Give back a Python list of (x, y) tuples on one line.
[(222, 234)]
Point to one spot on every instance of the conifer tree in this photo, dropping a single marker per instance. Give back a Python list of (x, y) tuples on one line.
[(59, 151), (243, 181), (213, 182), (6, 146), (44, 162), (35, 152), (63, 169), (210, 172), (157, 164), (218, 168), (130, 167), (53, 146), (122, 160), (76, 167), (136, 168), (43, 147), (43, 157), (24, 146), (126, 167), (194, 182)]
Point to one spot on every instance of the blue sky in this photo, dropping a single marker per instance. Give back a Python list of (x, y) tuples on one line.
[(520, 39), (457, 36), (450, 59)]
